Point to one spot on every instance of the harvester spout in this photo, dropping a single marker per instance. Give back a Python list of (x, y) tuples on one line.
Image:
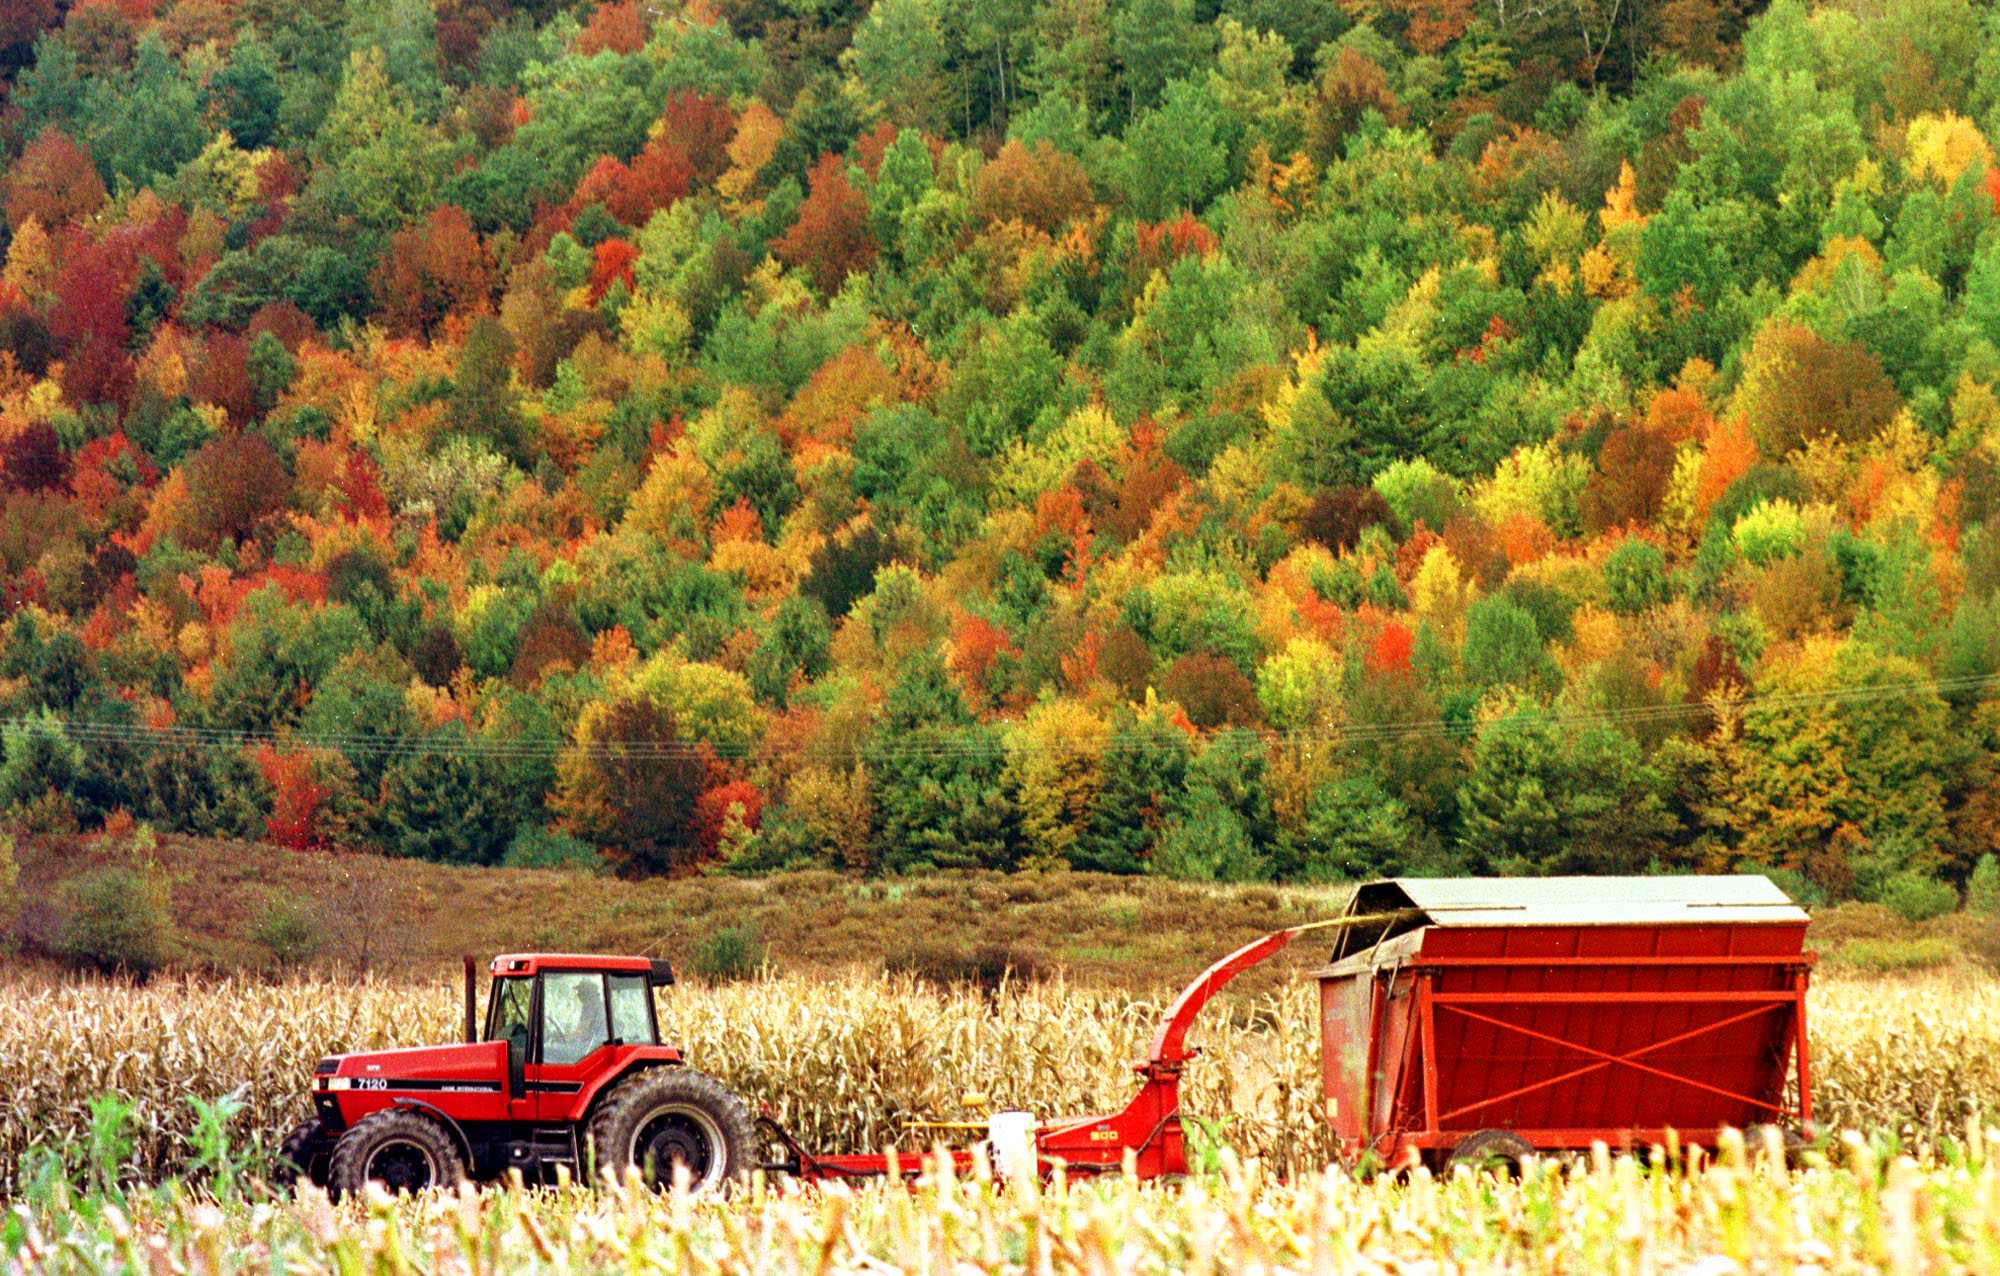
[(1170, 1042)]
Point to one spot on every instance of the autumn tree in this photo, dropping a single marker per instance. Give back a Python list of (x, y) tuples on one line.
[(1799, 766), (1336, 518), (233, 483), (630, 783), (33, 460), (1797, 386), (1039, 186), (1055, 769), (431, 270), (830, 240), (54, 182), (1212, 690)]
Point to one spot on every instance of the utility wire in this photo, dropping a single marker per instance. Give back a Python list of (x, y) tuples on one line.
[(935, 742)]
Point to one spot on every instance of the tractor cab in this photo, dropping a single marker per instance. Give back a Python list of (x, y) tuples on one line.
[(565, 1018)]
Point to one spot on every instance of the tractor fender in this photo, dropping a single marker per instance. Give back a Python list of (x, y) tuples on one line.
[(447, 1120), (595, 1091)]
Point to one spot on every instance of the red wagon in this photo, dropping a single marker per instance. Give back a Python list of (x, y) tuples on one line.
[(1483, 1018)]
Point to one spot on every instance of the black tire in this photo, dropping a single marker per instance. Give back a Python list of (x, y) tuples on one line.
[(402, 1150), (662, 1115), (1488, 1150), (1790, 1141), (306, 1154)]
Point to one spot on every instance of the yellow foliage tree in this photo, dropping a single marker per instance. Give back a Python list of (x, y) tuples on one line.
[(1439, 593), (1942, 146), (673, 500), (1055, 770), (758, 133)]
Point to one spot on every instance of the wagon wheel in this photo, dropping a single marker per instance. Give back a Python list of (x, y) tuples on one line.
[(1501, 1150), (1791, 1144)]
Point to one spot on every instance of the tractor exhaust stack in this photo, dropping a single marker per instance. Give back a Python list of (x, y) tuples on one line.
[(471, 1000)]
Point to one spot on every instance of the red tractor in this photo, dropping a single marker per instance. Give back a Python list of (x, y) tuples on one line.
[(570, 1071)]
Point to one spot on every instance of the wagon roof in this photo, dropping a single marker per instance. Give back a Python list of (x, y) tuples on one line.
[(1565, 901)]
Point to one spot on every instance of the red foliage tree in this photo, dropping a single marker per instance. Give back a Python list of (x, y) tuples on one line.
[(659, 176), (22, 20), (1352, 86), (433, 270), (292, 326), (1160, 244), (611, 262), (976, 644), (711, 812), (221, 375), (295, 798), (871, 146), (360, 486), (88, 318), (830, 240), (1433, 23), (702, 128), (1391, 651), (233, 483), (1633, 470), (53, 182), (33, 460)]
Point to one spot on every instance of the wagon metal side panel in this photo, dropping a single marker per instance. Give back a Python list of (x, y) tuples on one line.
[(1347, 1035), (1573, 1034)]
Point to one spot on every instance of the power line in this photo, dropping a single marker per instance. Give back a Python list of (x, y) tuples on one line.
[(937, 743)]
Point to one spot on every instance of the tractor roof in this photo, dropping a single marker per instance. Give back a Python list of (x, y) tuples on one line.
[(530, 963)]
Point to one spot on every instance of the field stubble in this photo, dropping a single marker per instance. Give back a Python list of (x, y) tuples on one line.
[(849, 1062), (1855, 1210)]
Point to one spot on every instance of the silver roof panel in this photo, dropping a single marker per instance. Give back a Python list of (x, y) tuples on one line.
[(1565, 901)]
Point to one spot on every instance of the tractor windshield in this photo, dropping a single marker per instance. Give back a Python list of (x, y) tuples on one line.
[(510, 1013)]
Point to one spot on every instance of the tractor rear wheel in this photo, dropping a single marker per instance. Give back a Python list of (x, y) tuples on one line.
[(1490, 1149), (404, 1151), (306, 1153), (661, 1117)]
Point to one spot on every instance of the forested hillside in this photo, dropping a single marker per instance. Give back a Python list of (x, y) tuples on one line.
[(1266, 438)]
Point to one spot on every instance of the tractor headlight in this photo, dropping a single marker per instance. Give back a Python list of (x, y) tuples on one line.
[(339, 1083)]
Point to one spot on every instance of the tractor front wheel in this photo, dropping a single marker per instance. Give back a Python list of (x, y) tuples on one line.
[(306, 1153), (667, 1116), (404, 1151)]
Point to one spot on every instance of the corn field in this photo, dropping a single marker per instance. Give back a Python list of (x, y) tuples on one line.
[(852, 1063), (1857, 1209)]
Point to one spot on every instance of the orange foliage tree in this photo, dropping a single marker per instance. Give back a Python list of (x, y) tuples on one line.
[(54, 182), (431, 270)]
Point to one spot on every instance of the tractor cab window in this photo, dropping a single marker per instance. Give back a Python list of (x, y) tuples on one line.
[(510, 1013), (632, 1010), (573, 1015)]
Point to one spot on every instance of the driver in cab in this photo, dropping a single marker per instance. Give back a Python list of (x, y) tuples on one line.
[(575, 1022)]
